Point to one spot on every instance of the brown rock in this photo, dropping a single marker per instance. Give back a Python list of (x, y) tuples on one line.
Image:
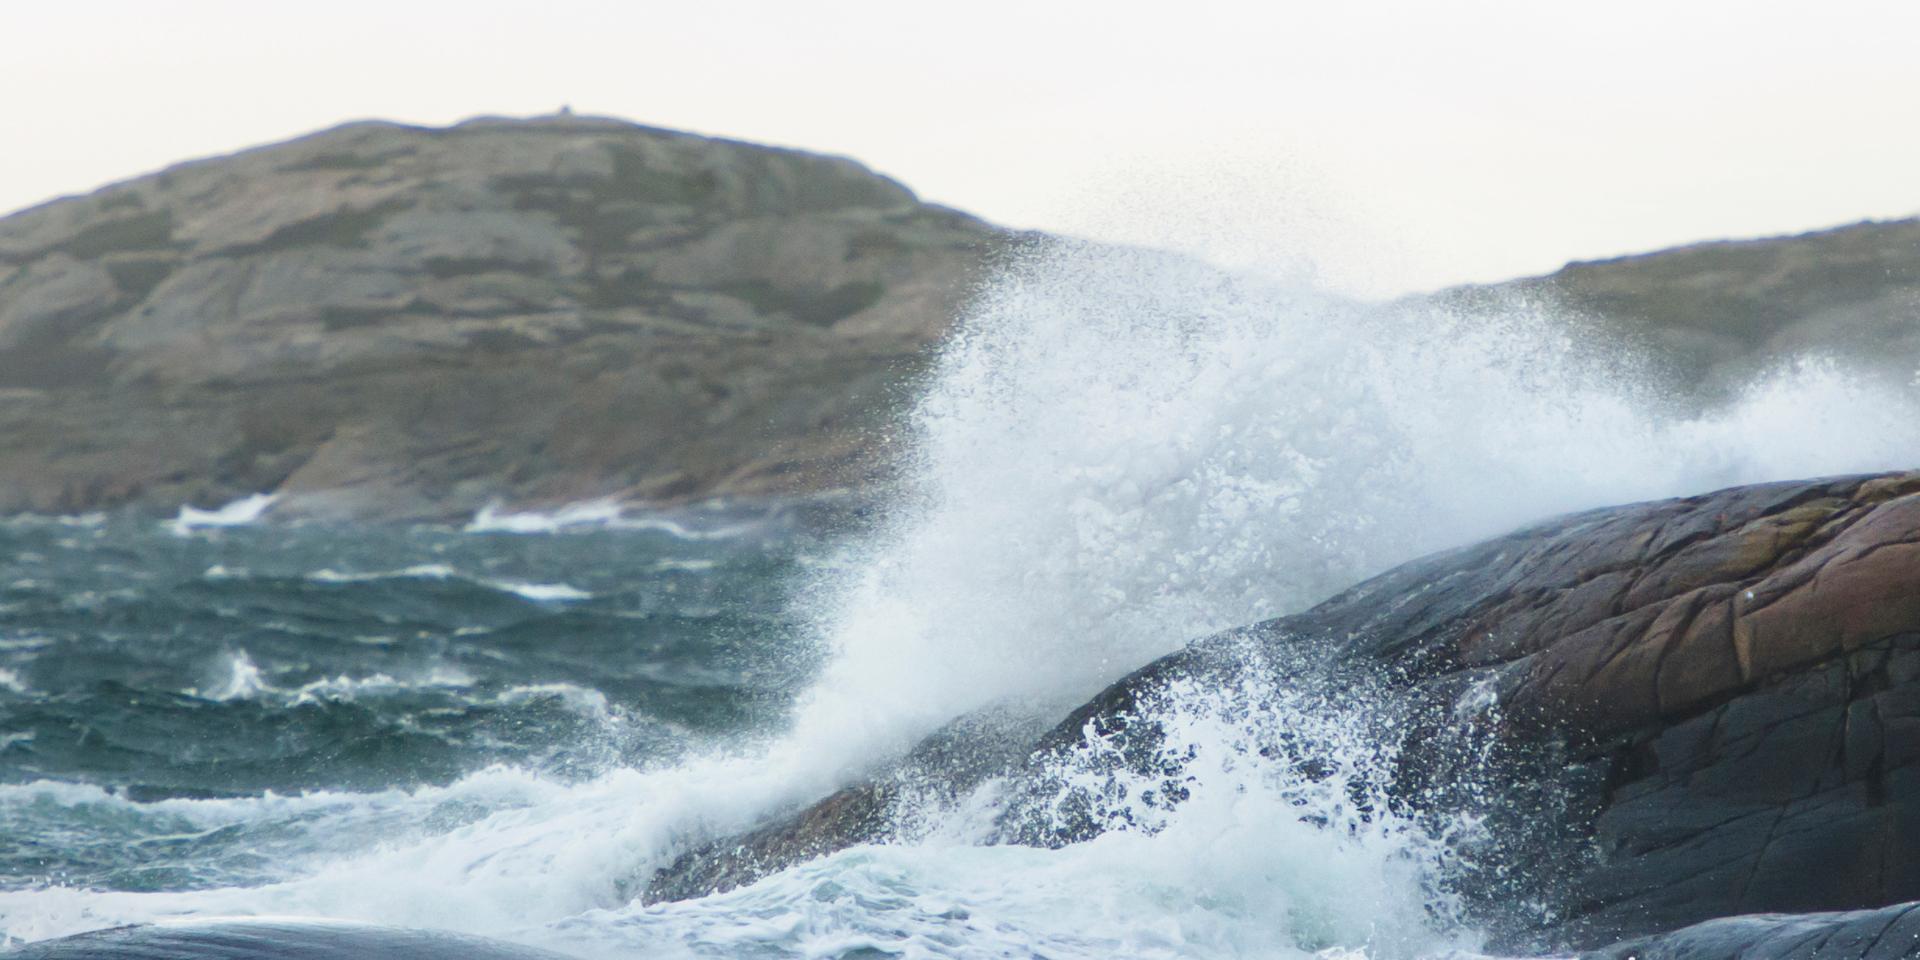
[(1699, 708)]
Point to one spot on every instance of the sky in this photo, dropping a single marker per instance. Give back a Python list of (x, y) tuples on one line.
[(1384, 146)]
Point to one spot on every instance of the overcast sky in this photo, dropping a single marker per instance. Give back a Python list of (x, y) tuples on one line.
[(1398, 145)]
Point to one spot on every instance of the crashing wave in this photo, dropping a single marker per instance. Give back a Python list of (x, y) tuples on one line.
[(239, 513)]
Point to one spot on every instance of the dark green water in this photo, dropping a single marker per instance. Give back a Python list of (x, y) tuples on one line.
[(146, 675)]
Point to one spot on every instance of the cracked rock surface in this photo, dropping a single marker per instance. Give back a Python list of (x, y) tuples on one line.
[(1669, 712)]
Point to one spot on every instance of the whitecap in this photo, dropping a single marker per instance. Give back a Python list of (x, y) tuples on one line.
[(242, 680), (584, 701), (344, 688), (541, 592), (239, 513), (424, 571), (538, 592), (590, 513), (600, 515)]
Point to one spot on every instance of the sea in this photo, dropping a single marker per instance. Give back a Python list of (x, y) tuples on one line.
[(505, 725)]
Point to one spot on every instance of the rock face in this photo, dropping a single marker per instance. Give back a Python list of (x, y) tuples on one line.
[(395, 321), (1668, 713)]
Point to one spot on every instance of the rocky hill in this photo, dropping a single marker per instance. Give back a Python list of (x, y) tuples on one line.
[(393, 321), (403, 322), (1714, 314)]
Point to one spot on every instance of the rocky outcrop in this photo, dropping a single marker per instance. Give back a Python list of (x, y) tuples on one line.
[(403, 322), (1666, 713), (382, 320), (1713, 315)]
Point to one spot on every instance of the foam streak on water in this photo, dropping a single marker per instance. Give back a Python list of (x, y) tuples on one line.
[(239, 513), (1121, 451)]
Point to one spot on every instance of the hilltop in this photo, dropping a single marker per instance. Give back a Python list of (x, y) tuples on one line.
[(393, 321), (1715, 314), (399, 322)]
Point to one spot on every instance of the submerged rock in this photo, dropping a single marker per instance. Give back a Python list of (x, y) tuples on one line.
[(1666, 713)]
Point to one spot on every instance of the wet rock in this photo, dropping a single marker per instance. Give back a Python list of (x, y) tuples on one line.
[(1666, 712), (1890, 933)]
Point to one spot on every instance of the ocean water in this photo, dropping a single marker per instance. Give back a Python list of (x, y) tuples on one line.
[(504, 728)]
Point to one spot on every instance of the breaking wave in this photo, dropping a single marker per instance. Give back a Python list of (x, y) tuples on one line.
[(1120, 451)]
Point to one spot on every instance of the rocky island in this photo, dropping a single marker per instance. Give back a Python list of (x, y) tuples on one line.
[(395, 322), (399, 322)]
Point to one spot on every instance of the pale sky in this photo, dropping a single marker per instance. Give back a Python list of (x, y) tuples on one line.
[(1398, 145)]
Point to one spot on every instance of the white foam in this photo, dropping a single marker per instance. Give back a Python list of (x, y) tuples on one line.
[(598, 515), (1125, 450), (423, 571), (681, 531), (11, 682), (240, 679), (1234, 871), (239, 513), (591, 513), (525, 850), (539, 592), (344, 688)]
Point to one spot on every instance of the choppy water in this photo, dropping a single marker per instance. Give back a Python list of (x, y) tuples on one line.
[(503, 729), (190, 712)]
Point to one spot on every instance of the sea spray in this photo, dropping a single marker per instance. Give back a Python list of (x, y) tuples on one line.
[(1257, 827), (1119, 451), (1123, 450)]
